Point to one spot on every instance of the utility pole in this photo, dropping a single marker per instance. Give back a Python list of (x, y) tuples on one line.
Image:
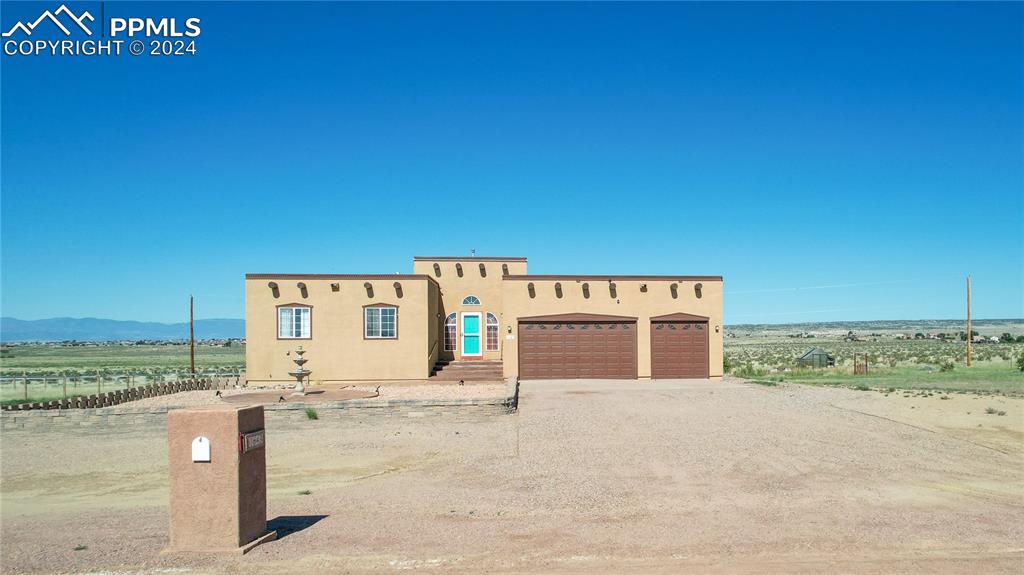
[(970, 334), (192, 336)]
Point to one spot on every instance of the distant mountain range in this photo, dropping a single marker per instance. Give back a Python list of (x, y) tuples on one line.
[(92, 329)]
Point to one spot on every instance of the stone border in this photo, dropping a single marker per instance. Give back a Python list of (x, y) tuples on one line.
[(120, 396), (118, 417)]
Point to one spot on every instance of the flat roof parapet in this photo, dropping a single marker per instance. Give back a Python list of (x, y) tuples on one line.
[(530, 277), (468, 259)]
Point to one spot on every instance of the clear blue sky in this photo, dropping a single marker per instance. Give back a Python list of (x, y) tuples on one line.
[(875, 147)]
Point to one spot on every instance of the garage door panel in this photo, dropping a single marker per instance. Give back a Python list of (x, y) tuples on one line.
[(679, 350), (577, 350)]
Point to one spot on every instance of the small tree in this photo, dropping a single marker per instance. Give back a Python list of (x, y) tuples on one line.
[(1006, 338), (1020, 362)]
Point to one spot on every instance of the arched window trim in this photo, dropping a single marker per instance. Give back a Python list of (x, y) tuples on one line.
[(471, 300), (492, 332), (451, 332)]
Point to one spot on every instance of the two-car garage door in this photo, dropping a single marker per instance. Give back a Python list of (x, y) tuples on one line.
[(590, 346), (577, 346)]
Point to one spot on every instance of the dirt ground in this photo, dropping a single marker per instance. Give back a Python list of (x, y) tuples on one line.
[(662, 477)]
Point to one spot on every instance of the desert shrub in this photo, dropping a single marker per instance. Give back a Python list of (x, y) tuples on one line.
[(749, 371), (1020, 362), (726, 364), (946, 366), (311, 413)]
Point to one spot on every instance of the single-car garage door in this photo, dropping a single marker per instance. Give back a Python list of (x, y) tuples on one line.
[(577, 346), (679, 346)]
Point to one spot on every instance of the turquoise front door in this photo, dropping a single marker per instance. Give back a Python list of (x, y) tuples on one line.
[(471, 334)]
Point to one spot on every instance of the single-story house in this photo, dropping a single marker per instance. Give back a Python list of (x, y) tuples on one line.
[(454, 311)]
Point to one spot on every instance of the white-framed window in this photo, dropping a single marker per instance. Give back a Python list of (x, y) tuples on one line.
[(471, 300), (450, 327), (492, 332), (293, 322), (380, 322)]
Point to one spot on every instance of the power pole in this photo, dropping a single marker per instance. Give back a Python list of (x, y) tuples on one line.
[(970, 334), (192, 336)]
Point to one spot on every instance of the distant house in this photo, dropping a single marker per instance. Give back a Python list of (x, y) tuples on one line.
[(816, 357)]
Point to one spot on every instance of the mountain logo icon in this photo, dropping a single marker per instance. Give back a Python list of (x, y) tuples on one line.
[(27, 28)]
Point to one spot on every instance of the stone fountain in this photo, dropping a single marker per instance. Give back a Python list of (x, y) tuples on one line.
[(301, 373)]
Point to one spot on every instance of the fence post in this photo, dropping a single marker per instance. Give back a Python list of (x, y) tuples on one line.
[(24, 383), (64, 380), (99, 384)]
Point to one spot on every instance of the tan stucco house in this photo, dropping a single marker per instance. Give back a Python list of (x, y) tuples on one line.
[(482, 318)]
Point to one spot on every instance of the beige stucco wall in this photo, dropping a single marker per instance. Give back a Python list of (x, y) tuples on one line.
[(630, 301), (455, 288), (337, 350)]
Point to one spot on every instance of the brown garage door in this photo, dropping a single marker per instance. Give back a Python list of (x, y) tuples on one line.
[(577, 346), (679, 346)]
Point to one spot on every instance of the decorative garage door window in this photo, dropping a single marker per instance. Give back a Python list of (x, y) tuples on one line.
[(450, 332), (381, 323), (293, 322), (492, 332)]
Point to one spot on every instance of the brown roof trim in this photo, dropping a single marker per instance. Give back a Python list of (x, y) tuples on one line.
[(679, 317), (530, 277), (469, 259), (340, 277), (577, 317)]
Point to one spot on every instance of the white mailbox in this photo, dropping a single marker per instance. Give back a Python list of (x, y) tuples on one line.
[(201, 450)]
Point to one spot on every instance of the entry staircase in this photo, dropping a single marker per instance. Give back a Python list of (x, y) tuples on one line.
[(445, 370)]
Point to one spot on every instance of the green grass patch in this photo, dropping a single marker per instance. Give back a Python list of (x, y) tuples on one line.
[(996, 377), (311, 413)]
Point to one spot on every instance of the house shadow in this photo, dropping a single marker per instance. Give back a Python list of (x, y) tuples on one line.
[(285, 525)]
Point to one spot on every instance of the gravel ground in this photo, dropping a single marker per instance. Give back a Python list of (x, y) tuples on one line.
[(652, 477), (429, 391)]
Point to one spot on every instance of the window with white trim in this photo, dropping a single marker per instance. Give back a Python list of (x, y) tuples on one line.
[(293, 322), (471, 300), (449, 332), (380, 323), (492, 332)]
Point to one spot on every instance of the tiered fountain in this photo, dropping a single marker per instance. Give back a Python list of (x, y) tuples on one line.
[(301, 373)]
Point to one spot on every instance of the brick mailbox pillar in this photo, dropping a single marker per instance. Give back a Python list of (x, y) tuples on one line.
[(218, 469)]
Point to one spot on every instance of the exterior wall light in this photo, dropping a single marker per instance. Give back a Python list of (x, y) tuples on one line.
[(586, 290), (558, 290), (504, 269), (531, 290), (483, 271), (398, 289), (458, 269), (369, 289), (273, 289), (335, 287), (697, 288), (437, 269), (302, 289), (674, 288)]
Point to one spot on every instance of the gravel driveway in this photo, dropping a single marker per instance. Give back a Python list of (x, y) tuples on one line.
[(664, 477)]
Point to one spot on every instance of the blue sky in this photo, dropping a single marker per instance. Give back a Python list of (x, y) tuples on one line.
[(831, 161)]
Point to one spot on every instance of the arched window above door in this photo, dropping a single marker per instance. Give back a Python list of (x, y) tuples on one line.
[(471, 300)]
